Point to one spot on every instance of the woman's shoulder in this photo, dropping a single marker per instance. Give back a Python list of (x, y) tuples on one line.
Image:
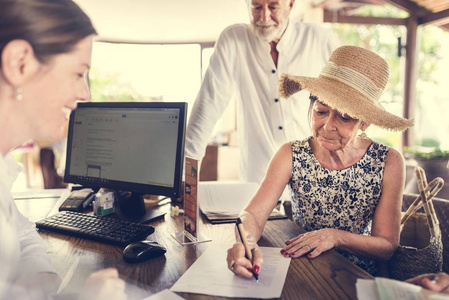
[(301, 149), (378, 150), (395, 157), (378, 146), (301, 144), (389, 154)]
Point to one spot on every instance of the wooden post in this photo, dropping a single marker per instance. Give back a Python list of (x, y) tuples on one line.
[(410, 76)]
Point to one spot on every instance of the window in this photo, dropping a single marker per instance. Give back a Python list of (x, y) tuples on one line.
[(432, 111), (382, 39), (135, 72), (431, 125)]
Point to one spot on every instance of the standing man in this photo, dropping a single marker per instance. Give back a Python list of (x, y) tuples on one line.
[(247, 63)]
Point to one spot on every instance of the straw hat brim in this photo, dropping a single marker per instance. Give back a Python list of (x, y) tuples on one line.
[(343, 98)]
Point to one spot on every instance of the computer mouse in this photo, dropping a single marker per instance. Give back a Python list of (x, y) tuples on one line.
[(142, 250)]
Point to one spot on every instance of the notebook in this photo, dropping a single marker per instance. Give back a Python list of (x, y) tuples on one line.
[(221, 202)]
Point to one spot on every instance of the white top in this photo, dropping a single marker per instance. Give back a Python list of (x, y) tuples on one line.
[(22, 251), (242, 66)]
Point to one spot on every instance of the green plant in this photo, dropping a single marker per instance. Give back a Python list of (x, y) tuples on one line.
[(105, 87), (426, 153), (430, 142)]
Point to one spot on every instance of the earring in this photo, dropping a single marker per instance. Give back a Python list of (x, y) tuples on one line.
[(363, 135), (19, 95)]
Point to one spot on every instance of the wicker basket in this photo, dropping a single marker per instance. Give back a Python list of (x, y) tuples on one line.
[(420, 248)]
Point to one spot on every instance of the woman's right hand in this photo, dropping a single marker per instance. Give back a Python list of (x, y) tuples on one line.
[(240, 265)]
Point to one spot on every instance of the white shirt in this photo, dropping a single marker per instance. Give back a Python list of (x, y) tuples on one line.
[(22, 251), (242, 66)]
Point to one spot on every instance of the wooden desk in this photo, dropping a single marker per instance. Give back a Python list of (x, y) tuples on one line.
[(329, 276)]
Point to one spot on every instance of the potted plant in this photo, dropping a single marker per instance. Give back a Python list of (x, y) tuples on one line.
[(434, 161)]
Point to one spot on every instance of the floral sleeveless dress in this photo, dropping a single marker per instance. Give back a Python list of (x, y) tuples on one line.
[(341, 199)]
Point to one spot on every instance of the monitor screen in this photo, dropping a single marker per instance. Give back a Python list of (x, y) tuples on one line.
[(127, 146)]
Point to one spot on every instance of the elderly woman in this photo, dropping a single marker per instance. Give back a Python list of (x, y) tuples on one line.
[(346, 188), (45, 52)]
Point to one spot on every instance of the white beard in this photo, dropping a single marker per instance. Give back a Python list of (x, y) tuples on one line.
[(268, 31)]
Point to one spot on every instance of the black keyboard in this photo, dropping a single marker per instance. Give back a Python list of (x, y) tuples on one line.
[(102, 229)]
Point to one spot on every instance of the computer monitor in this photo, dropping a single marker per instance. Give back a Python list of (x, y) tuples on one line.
[(134, 148)]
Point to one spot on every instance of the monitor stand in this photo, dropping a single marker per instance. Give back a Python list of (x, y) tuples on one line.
[(132, 208)]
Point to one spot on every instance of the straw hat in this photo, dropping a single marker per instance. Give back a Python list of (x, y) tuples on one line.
[(351, 82)]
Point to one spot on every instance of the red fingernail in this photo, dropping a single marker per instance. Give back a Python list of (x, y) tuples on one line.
[(282, 251), (285, 253), (256, 269), (292, 254), (249, 269), (287, 242)]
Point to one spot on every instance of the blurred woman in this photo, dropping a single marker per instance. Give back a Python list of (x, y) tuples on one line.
[(45, 48)]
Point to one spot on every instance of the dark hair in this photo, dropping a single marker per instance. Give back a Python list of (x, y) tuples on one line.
[(50, 26), (312, 99)]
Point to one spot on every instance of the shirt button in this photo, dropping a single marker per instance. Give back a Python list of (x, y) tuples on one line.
[(273, 71), (280, 127), (276, 100)]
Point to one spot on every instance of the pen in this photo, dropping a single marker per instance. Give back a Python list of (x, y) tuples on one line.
[(248, 253)]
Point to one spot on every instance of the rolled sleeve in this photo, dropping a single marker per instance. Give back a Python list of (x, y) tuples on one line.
[(216, 91)]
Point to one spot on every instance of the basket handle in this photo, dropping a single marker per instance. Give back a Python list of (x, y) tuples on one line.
[(438, 187), (427, 192), (431, 190), (430, 219)]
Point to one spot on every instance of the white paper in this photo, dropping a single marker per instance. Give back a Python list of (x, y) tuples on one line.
[(34, 194), (68, 276), (225, 197), (164, 295), (394, 289), (366, 289), (386, 289), (210, 275)]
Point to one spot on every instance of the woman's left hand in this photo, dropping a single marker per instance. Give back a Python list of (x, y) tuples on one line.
[(311, 243)]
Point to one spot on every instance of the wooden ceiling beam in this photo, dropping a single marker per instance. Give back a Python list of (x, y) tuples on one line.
[(437, 7), (335, 17), (444, 27), (366, 2), (439, 17), (411, 7)]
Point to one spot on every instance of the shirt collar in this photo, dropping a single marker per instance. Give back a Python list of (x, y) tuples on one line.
[(285, 39)]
